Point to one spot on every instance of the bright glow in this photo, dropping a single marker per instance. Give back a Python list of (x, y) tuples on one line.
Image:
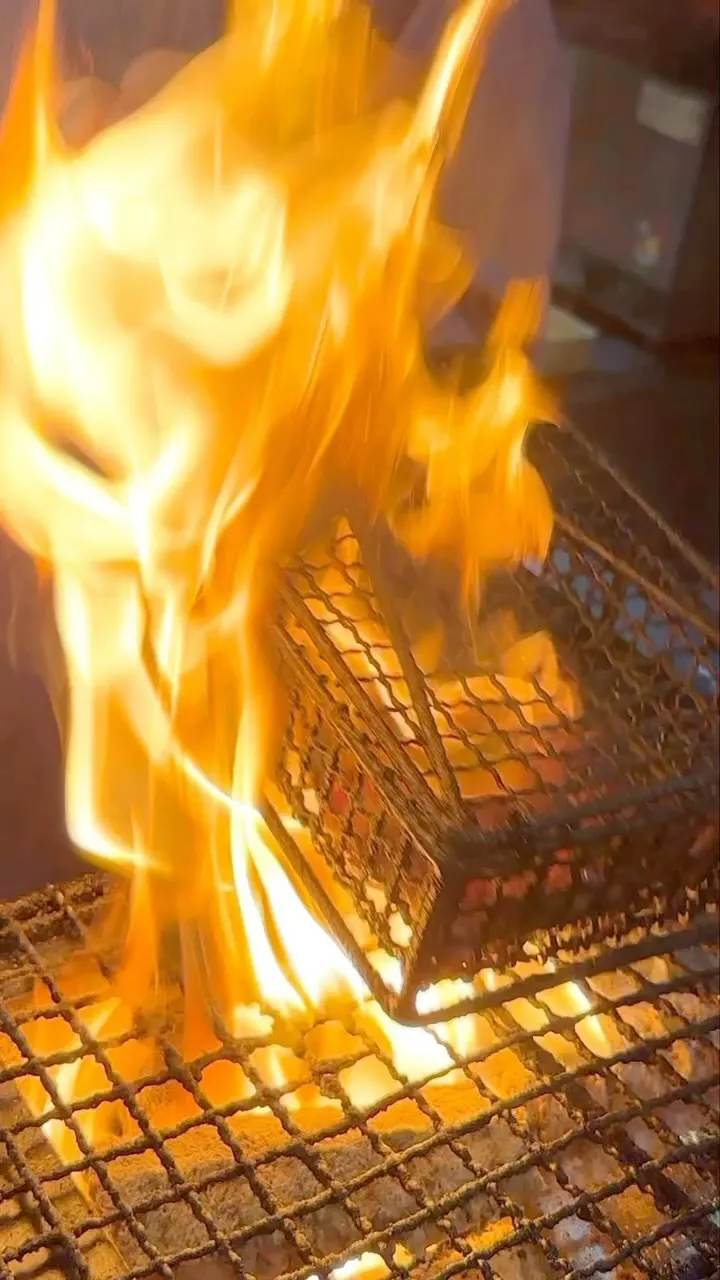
[(369, 1266), (211, 320), (569, 998)]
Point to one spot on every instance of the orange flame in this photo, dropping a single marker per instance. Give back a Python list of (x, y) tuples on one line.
[(211, 325)]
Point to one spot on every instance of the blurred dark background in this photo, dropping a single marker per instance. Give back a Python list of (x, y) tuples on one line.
[(631, 342)]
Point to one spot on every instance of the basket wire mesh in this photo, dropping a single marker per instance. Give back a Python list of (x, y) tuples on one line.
[(465, 818)]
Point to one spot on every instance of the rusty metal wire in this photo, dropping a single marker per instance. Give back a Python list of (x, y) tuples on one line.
[(560, 1162), (464, 822)]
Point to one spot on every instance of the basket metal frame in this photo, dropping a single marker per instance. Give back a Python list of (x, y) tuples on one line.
[(664, 810)]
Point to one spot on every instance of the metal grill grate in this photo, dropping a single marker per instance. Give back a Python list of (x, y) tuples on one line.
[(573, 1139), (464, 810)]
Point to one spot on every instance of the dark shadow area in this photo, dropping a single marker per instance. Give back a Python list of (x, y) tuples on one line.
[(34, 847), (661, 427)]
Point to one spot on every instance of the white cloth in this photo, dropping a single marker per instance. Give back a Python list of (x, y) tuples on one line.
[(504, 186)]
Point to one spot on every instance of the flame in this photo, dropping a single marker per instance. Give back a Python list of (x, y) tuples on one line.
[(211, 325), (82, 1076), (565, 999), (570, 998), (369, 1266)]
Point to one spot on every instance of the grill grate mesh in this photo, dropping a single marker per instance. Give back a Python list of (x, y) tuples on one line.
[(543, 1155)]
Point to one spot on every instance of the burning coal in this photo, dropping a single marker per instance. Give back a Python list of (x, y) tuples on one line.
[(211, 330)]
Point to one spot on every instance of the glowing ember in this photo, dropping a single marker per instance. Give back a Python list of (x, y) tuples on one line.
[(564, 1000), (211, 328)]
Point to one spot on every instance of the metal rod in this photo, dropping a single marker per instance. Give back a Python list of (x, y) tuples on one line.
[(666, 601), (710, 573), (411, 671)]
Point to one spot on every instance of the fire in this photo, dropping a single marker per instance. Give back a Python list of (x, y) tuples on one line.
[(564, 1000), (211, 329), (369, 1266)]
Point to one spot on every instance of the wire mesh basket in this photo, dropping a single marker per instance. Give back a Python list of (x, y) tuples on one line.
[(473, 817)]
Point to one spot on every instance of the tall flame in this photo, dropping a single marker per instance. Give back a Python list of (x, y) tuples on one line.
[(211, 326)]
